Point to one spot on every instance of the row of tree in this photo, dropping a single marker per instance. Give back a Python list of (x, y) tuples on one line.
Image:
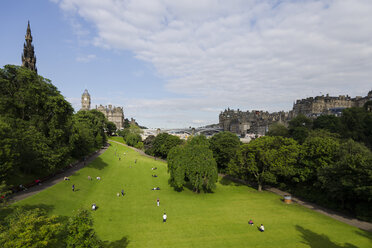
[(39, 133)]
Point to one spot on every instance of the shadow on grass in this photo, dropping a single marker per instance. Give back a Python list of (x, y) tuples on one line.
[(365, 234), (97, 164), (315, 240), (225, 180), (121, 243)]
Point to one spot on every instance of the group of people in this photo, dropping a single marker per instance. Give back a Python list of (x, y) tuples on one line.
[(260, 228)]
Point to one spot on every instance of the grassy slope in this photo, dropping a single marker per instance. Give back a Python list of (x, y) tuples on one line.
[(194, 220)]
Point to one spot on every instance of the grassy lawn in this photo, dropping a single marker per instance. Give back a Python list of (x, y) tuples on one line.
[(203, 220)]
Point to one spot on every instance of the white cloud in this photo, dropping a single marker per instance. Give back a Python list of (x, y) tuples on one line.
[(85, 58), (241, 53)]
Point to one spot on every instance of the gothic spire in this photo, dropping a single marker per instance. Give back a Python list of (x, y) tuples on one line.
[(28, 56)]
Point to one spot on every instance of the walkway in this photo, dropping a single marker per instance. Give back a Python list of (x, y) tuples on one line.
[(54, 180)]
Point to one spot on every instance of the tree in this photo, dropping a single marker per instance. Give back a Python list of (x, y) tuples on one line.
[(163, 143), (328, 122), (265, 159), (277, 129), (132, 139), (349, 179), (148, 144), (224, 146), (193, 163), (111, 127), (299, 128), (29, 228), (39, 118), (316, 152), (80, 231)]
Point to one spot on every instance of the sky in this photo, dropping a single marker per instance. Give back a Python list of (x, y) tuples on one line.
[(175, 64)]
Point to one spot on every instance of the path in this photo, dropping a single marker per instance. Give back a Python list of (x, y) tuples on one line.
[(367, 226), (139, 151), (54, 180)]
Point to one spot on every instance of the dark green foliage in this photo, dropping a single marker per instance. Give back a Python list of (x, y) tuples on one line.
[(132, 139), (265, 159), (80, 231), (40, 121), (111, 127), (193, 163), (299, 128), (30, 228), (148, 144), (349, 180), (328, 122), (278, 129), (224, 146), (88, 132), (163, 143)]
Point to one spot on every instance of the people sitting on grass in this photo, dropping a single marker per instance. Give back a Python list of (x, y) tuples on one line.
[(250, 222), (154, 168), (262, 228), (98, 178), (89, 178), (66, 178), (157, 188), (94, 206), (154, 175)]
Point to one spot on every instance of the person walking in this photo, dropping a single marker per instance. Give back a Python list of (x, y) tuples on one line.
[(164, 218), (73, 187), (122, 192), (157, 202)]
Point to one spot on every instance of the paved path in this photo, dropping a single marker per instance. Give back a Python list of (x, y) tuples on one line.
[(54, 180), (367, 226)]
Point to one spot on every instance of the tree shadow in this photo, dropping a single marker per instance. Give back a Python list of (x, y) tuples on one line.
[(121, 243), (365, 234), (315, 240), (226, 180), (97, 163)]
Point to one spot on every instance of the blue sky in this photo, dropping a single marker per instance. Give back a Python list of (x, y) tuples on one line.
[(179, 63)]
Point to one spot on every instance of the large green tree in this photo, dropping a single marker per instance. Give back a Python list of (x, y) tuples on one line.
[(39, 120), (193, 163), (224, 146), (80, 231), (30, 228), (265, 159), (163, 143)]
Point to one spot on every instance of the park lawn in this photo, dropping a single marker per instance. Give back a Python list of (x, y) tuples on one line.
[(218, 219)]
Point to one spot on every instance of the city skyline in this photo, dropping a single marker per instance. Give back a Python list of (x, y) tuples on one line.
[(180, 64)]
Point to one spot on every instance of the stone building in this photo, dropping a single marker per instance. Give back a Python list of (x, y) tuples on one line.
[(112, 113), (247, 122), (85, 100), (28, 56), (316, 106), (257, 122)]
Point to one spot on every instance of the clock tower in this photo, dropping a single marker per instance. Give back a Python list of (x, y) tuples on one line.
[(85, 101)]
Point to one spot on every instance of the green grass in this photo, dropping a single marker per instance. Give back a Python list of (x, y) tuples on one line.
[(218, 219)]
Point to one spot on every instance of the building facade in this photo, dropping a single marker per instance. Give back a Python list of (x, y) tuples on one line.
[(112, 113), (257, 122)]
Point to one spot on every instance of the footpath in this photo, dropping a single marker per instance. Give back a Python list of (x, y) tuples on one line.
[(56, 179), (333, 214)]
